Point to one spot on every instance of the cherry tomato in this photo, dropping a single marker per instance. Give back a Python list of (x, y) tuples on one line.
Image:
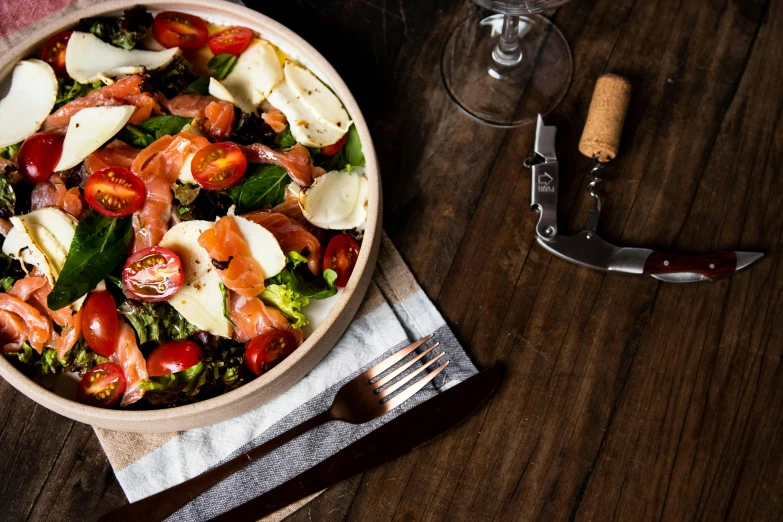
[(233, 40), (153, 274), (334, 148), (102, 386), (53, 52), (174, 29), (218, 165), (340, 256), (115, 192), (38, 156), (173, 357), (265, 351), (99, 323)]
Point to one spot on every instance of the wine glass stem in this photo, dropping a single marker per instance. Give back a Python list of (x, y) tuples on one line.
[(508, 52)]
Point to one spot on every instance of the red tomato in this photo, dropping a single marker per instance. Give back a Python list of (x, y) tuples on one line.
[(340, 256), (334, 148), (153, 274), (102, 386), (115, 192), (53, 52), (173, 29), (173, 357), (233, 40), (218, 165), (99, 323), (38, 156), (265, 351)]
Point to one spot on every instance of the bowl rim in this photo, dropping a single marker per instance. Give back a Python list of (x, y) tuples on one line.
[(185, 416)]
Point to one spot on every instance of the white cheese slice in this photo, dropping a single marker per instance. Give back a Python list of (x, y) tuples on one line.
[(251, 80), (263, 246), (29, 101), (331, 198), (88, 58), (185, 174), (89, 129), (219, 91), (317, 97), (358, 215), (200, 299)]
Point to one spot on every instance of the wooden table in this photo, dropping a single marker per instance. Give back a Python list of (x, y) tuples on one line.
[(624, 398)]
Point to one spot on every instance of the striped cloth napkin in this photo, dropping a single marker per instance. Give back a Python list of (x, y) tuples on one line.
[(394, 312)]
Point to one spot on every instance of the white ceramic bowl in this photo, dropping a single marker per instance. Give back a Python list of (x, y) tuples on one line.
[(318, 344)]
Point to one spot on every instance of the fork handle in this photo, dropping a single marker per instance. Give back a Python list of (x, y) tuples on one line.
[(160, 505)]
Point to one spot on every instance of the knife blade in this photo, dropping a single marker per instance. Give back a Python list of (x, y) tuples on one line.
[(410, 431)]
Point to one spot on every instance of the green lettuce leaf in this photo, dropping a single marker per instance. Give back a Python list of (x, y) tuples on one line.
[(156, 322), (10, 151), (79, 359), (98, 247), (153, 129), (124, 31), (290, 303), (264, 186), (7, 196), (68, 90), (174, 78), (285, 139), (198, 86), (298, 278), (168, 388), (222, 65)]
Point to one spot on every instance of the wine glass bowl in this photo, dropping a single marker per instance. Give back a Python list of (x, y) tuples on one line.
[(506, 68)]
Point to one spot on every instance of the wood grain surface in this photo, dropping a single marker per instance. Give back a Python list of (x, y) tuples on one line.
[(624, 398)]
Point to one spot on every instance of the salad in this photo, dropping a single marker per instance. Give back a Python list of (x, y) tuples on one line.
[(176, 196)]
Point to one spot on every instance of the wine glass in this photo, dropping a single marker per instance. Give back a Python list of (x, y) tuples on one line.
[(507, 68)]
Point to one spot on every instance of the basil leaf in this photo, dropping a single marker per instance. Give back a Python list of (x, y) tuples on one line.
[(222, 65), (350, 155), (265, 186), (153, 129), (199, 86), (285, 139), (98, 247)]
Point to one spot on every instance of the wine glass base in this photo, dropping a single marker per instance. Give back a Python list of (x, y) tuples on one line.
[(503, 92)]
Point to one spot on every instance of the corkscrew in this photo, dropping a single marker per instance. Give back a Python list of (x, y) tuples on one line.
[(600, 142)]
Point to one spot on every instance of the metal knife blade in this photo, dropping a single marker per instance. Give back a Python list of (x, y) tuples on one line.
[(587, 249), (411, 430)]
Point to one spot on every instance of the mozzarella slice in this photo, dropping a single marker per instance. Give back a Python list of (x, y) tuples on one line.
[(306, 127), (219, 91), (200, 299), (185, 174), (89, 129), (263, 246), (42, 238), (317, 97), (29, 101), (251, 80), (88, 58), (336, 200)]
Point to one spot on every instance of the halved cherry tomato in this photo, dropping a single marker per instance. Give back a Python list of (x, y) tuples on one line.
[(115, 192), (334, 148), (174, 29), (53, 52), (38, 156), (153, 274), (218, 165), (340, 256), (265, 351), (233, 40), (99, 323), (173, 357), (102, 386)]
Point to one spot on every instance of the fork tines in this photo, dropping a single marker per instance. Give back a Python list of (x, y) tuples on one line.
[(387, 364)]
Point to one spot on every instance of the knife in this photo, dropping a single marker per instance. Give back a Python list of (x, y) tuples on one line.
[(410, 431)]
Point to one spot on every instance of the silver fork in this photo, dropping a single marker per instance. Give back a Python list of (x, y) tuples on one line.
[(359, 400)]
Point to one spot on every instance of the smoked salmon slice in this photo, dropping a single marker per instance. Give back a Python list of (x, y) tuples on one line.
[(295, 160), (38, 327), (291, 235), (12, 332), (217, 116), (275, 119), (128, 357), (252, 318), (158, 167), (52, 193), (126, 91), (115, 154), (231, 255)]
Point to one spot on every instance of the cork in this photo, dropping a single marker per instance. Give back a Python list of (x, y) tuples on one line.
[(601, 135)]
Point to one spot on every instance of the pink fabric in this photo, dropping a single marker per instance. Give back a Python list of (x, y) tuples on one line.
[(16, 14)]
